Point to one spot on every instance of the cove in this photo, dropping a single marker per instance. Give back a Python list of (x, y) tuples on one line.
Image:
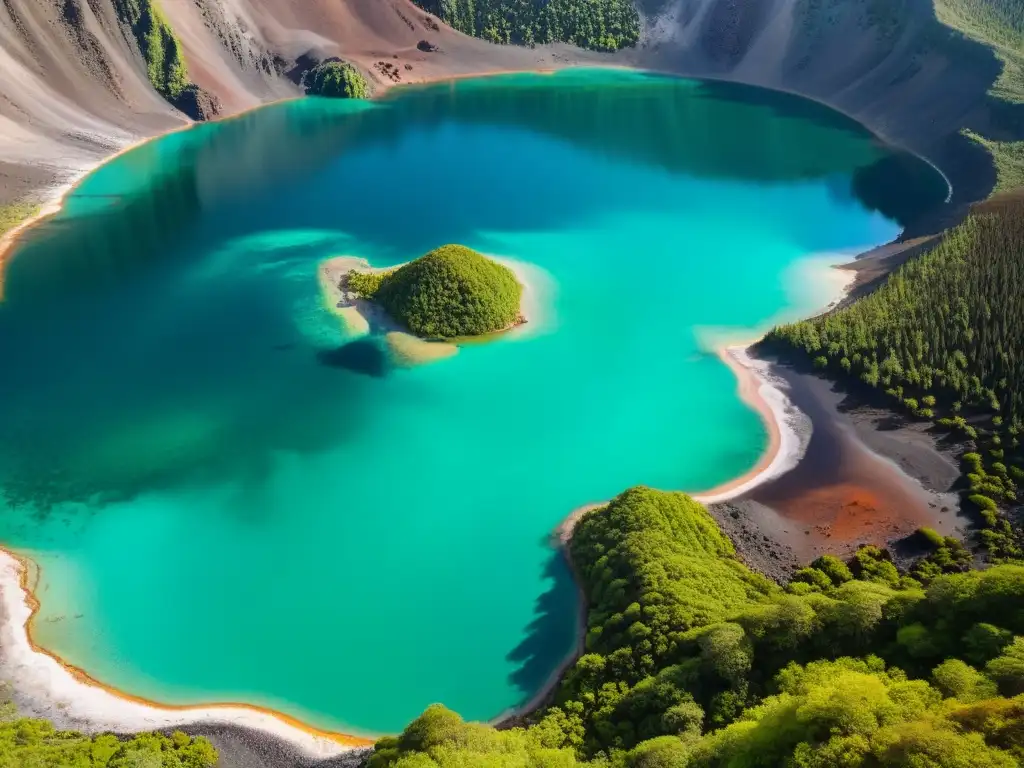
[(232, 500)]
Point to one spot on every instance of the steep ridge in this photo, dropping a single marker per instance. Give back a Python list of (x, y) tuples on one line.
[(890, 65), (75, 86), (73, 90)]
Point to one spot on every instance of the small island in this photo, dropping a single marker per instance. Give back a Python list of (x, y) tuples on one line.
[(451, 292)]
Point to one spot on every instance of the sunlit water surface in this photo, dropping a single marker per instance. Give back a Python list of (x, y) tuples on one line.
[(230, 503)]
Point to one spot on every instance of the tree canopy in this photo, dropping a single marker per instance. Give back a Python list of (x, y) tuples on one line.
[(31, 743), (604, 25), (451, 291), (693, 661), (944, 338), (336, 79)]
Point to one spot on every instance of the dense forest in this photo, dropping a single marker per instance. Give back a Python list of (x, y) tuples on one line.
[(28, 743), (336, 79), (943, 339), (451, 291), (692, 660), (603, 25)]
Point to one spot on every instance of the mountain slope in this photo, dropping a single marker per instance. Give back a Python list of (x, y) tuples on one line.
[(890, 64)]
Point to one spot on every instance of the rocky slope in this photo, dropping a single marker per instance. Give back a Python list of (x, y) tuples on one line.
[(75, 87), (889, 64)]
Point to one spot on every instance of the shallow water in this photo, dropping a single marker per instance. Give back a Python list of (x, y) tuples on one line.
[(232, 501)]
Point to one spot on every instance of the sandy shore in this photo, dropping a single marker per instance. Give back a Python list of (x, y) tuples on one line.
[(787, 427), (45, 686)]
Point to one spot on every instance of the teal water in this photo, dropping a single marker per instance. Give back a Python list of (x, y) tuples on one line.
[(232, 501)]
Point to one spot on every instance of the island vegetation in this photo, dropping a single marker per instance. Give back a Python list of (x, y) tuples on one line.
[(450, 292), (603, 25), (943, 339), (336, 79), (694, 661)]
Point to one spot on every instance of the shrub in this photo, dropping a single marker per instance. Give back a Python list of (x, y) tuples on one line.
[(932, 536), (451, 291), (837, 571), (984, 641), (983, 503), (1007, 669), (336, 79), (366, 284)]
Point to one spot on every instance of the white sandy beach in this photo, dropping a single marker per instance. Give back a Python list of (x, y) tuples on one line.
[(43, 687)]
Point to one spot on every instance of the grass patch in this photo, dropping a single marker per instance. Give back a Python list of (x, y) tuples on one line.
[(14, 214)]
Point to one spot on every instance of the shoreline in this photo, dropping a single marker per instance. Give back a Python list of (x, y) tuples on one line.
[(63, 688), (71, 698), (762, 393), (362, 317), (58, 194)]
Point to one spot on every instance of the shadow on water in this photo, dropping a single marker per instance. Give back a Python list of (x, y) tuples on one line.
[(552, 632), (364, 356)]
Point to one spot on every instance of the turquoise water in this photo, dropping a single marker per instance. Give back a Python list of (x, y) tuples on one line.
[(232, 501)]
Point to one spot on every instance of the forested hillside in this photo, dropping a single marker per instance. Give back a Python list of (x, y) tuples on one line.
[(603, 25), (692, 661), (944, 338), (27, 743), (998, 24)]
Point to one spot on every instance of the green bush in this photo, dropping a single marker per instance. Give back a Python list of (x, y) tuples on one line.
[(1007, 669), (956, 679), (932, 536), (338, 80), (451, 291), (984, 641), (366, 284), (836, 570)]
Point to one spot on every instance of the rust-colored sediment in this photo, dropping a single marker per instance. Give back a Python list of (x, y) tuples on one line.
[(26, 571), (847, 514)]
